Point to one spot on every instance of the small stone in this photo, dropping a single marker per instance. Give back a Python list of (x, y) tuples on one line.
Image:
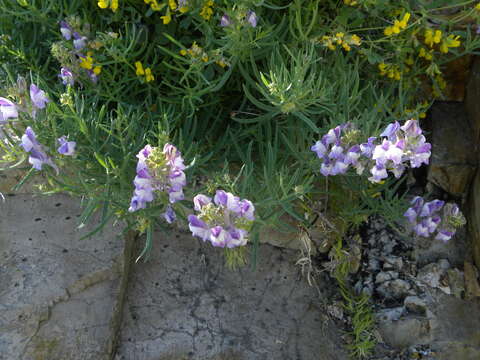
[(373, 264), (394, 289), (415, 304), (391, 314), (431, 274), (393, 262), (382, 277)]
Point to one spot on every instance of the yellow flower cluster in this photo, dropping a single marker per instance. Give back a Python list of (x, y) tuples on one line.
[(398, 25), (426, 54), (350, 2), (207, 10), (86, 62), (154, 5), (147, 72), (104, 4), (477, 7), (389, 70), (340, 39), (432, 38), (172, 6)]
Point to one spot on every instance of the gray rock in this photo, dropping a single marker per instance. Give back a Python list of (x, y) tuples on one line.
[(393, 263), (434, 275), (404, 332), (453, 161), (385, 276), (373, 264), (456, 281), (455, 328), (60, 297), (394, 289), (185, 303), (390, 314), (415, 304)]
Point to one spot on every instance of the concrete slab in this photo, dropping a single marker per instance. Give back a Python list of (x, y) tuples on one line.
[(60, 297), (185, 304)]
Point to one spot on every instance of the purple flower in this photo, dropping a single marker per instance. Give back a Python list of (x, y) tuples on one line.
[(218, 236), (225, 222), (161, 173), (247, 209), (444, 235), (66, 30), (200, 200), (8, 110), (252, 18), (431, 207), (379, 173), (79, 41), (66, 147), (411, 128), (227, 200), (434, 216), (37, 157), (225, 21), (198, 227), (38, 97), (319, 148), (169, 215), (391, 131), (66, 76)]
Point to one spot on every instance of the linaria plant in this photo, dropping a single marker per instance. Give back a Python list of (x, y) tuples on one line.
[(243, 89)]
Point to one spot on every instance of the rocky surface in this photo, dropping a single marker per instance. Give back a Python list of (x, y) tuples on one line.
[(421, 307), (454, 150), (185, 304), (60, 296)]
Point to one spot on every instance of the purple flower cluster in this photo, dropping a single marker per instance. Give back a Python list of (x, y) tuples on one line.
[(37, 157), (400, 146), (250, 17), (224, 222), (79, 41), (434, 217), (158, 170)]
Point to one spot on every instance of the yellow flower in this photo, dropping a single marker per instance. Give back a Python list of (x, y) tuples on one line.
[(355, 40), (103, 4), (148, 75), (205, 58), (432, 38), (397, 25), (154, 5), (450, 42), (350, 2), (221, 62), (139, 68), (346, 46), (172, 4), (207, 10), (183, 9), (166, 18), (382, 67), (86, 62), (423, 53), (339, 37), (97, 70), (183, 52), (477, 7), (409, 60), (403, 23)]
